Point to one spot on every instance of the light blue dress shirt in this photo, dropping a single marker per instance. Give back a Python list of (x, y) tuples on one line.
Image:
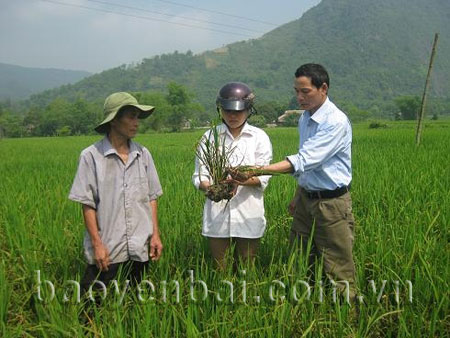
[(323, 161)]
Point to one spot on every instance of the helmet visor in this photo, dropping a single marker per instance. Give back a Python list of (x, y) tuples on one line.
[(232, 104)]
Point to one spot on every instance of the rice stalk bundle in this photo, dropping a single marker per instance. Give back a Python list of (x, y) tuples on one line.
[(215, 156)]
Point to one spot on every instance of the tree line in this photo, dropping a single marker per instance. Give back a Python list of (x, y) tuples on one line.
[(176, 109)]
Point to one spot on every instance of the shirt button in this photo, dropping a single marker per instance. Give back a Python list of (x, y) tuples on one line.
[(125, 185)]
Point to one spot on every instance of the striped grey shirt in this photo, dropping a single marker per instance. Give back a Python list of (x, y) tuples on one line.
[(121, 194)]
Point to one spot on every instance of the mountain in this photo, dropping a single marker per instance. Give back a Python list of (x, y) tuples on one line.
[(19, 82), (374, 51)]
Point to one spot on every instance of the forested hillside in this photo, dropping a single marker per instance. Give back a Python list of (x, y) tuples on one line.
[(374, 50), (17, 82)]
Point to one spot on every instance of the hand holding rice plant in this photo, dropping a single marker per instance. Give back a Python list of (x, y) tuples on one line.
[(242, 174), (215, 157)]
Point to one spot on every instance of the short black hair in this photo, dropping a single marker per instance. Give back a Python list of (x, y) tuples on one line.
[(317, 73)]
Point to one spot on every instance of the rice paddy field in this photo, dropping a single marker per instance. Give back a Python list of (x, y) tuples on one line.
[(401, 203)]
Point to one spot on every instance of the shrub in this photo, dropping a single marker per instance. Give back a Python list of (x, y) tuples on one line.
[(258, 121), (377, 125)]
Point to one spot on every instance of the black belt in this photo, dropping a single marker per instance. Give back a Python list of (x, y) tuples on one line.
[(327, 193)]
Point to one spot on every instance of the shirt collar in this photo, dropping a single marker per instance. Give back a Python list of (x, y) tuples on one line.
[(246, 129), (320, 113), (108, 149), (134, 149)]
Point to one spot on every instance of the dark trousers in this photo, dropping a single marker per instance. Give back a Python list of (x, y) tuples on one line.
[(130, 270)]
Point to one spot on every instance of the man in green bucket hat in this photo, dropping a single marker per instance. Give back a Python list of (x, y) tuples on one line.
[(118, 186), (114, 103)]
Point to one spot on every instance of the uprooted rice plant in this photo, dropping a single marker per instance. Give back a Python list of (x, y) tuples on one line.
[(213, 154)]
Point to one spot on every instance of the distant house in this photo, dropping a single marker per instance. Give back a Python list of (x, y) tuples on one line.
[(282, 119), (186, 124)]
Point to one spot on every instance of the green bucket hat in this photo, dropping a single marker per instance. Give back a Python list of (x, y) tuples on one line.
[(114, 103)]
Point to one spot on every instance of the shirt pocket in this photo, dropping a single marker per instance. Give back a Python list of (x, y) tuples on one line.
[(140, 190), (244, 152)]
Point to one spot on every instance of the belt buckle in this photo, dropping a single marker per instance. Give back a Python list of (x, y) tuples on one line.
[(313, 194)]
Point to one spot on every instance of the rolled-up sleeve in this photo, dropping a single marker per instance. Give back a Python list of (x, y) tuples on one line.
[(263, 156), (155, 189), (318, 149), (84, 188)]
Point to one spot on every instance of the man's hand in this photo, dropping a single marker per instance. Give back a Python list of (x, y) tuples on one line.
[(204, 185), (252, 181), (156, 247), (101, 257), (294, 201), (238, 174), (101, 253), (291, 206)]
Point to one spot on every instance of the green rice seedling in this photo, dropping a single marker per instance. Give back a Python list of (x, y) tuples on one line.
[(4, 298), (215, 156), (401, 205)]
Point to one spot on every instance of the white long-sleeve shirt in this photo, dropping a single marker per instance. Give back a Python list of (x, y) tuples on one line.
[(244, 215)]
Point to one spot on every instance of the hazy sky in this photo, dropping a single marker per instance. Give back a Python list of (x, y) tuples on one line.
[(95, 35)]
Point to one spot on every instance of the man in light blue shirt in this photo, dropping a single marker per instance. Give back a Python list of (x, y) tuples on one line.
[(322, 206), (324, 158)]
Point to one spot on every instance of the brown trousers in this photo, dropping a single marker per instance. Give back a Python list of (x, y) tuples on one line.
[(330, 222)]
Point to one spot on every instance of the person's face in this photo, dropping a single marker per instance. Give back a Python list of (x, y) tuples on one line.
[(234, 118), (308, 96), (127, 125)]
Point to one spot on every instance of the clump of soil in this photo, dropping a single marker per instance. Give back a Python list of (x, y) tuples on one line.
[(219, 192), (240, 174)]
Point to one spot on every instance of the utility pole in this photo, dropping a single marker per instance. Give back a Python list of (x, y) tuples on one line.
[(425, 92)]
